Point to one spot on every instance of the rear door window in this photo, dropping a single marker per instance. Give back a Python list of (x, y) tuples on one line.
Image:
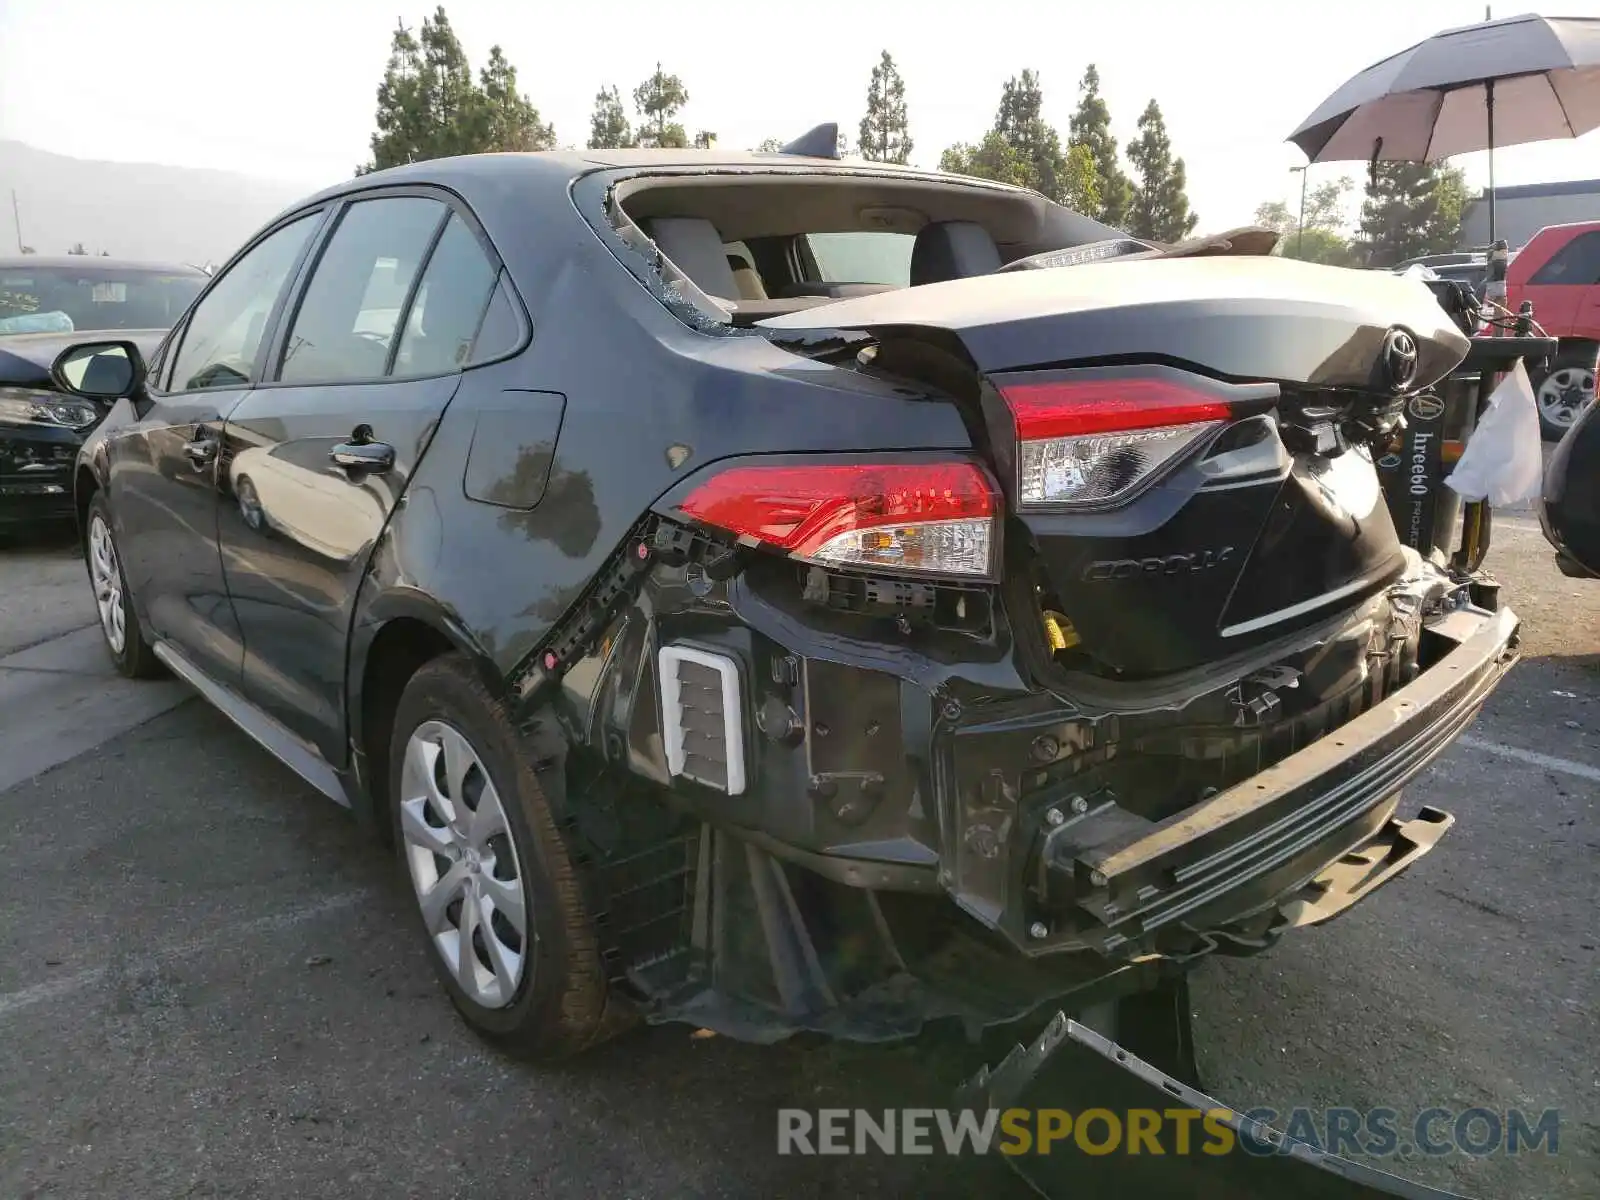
[(349, 316), (867, 256), (501, 329), (449, 305)]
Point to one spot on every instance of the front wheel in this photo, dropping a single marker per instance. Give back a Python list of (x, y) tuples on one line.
[(1564, 391), (497, 893), (119, 624)]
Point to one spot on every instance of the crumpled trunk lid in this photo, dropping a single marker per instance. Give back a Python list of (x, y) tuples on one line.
[(1238, 317), (1270, 518)]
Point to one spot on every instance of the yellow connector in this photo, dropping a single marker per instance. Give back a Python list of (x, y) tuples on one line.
[(1060, 632)]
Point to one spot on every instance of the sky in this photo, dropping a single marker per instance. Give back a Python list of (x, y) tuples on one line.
[(286, 91)]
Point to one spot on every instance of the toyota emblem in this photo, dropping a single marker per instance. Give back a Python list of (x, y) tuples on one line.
[(1400, 359)]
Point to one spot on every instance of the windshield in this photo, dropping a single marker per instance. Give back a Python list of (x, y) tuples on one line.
[(57, 299)]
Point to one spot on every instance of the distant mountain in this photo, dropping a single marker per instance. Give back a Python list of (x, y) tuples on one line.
[(133, 210)]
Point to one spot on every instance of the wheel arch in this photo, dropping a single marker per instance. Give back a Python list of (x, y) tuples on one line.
[(394, 635), (85, 484)]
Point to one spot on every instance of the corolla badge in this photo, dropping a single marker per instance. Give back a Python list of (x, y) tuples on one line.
[(1400, 358), (1167, 565), (1426, 408)]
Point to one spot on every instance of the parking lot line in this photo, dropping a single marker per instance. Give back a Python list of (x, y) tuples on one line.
[(59, 698), (1532, 757), (56, 989)]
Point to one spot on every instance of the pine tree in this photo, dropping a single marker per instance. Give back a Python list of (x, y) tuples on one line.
[(507, 120), (429, 106), (608, 126), (1411, 209), (1024, 149), (1160, 207), (1021, 123), (447, 96), (658, 100), (1080, 190), (885, 131), (1091, 126), (993, 158), (402, 118)]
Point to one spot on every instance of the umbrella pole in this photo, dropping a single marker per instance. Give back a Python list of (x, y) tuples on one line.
[(1489, 101)]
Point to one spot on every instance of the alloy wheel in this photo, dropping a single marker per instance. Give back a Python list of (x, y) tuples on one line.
[(1564, 394), (464, 864), (105, 574)]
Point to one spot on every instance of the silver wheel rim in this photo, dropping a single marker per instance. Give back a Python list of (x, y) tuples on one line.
[(106, 576), (1566, 393), (463, 864)]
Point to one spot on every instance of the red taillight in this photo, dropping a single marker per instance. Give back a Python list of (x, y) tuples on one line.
[(1092, 437), (936, 518), (1071, 409)]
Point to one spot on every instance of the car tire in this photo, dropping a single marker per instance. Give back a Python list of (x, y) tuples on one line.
[(1564, 388), (539, 992), (119, 619)]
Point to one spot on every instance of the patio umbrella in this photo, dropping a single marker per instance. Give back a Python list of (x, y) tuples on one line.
[(1499, 83)]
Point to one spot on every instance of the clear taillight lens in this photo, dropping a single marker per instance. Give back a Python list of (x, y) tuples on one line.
[(1100, 469), (1092, 437), (961, 547), (927, 519)]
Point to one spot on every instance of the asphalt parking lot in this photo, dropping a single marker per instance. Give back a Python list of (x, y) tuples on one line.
[(210, 987)]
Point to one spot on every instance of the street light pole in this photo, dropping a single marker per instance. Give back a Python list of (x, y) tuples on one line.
[(1300, 239)]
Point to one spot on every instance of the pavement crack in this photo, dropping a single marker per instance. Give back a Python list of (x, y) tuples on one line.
[(150, 964), (1480, 905), (26, 646), (82, 674)]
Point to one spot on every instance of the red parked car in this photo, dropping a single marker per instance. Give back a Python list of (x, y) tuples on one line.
[(1559, 270)]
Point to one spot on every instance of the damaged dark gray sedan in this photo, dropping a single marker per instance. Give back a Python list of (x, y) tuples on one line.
[(782, 594)]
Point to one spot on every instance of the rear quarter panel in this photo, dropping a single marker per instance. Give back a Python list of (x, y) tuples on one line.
[(647, 401)]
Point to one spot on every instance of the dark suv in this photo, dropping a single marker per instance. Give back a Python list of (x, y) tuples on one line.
[(780, 594)]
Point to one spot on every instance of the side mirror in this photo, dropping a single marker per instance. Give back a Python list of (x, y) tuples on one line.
[(99, 370)]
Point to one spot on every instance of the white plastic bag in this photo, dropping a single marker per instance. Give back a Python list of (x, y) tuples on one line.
[(1504, 459)]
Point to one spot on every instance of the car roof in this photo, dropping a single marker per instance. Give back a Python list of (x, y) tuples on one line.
[(1568, 227), (98, 261), (468, 172)]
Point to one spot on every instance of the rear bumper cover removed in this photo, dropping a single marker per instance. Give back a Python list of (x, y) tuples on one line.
[(1307, 837), (775, 943), (1071, 1067)]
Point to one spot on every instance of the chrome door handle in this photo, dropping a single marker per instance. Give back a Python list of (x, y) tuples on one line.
[(373, 458)]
